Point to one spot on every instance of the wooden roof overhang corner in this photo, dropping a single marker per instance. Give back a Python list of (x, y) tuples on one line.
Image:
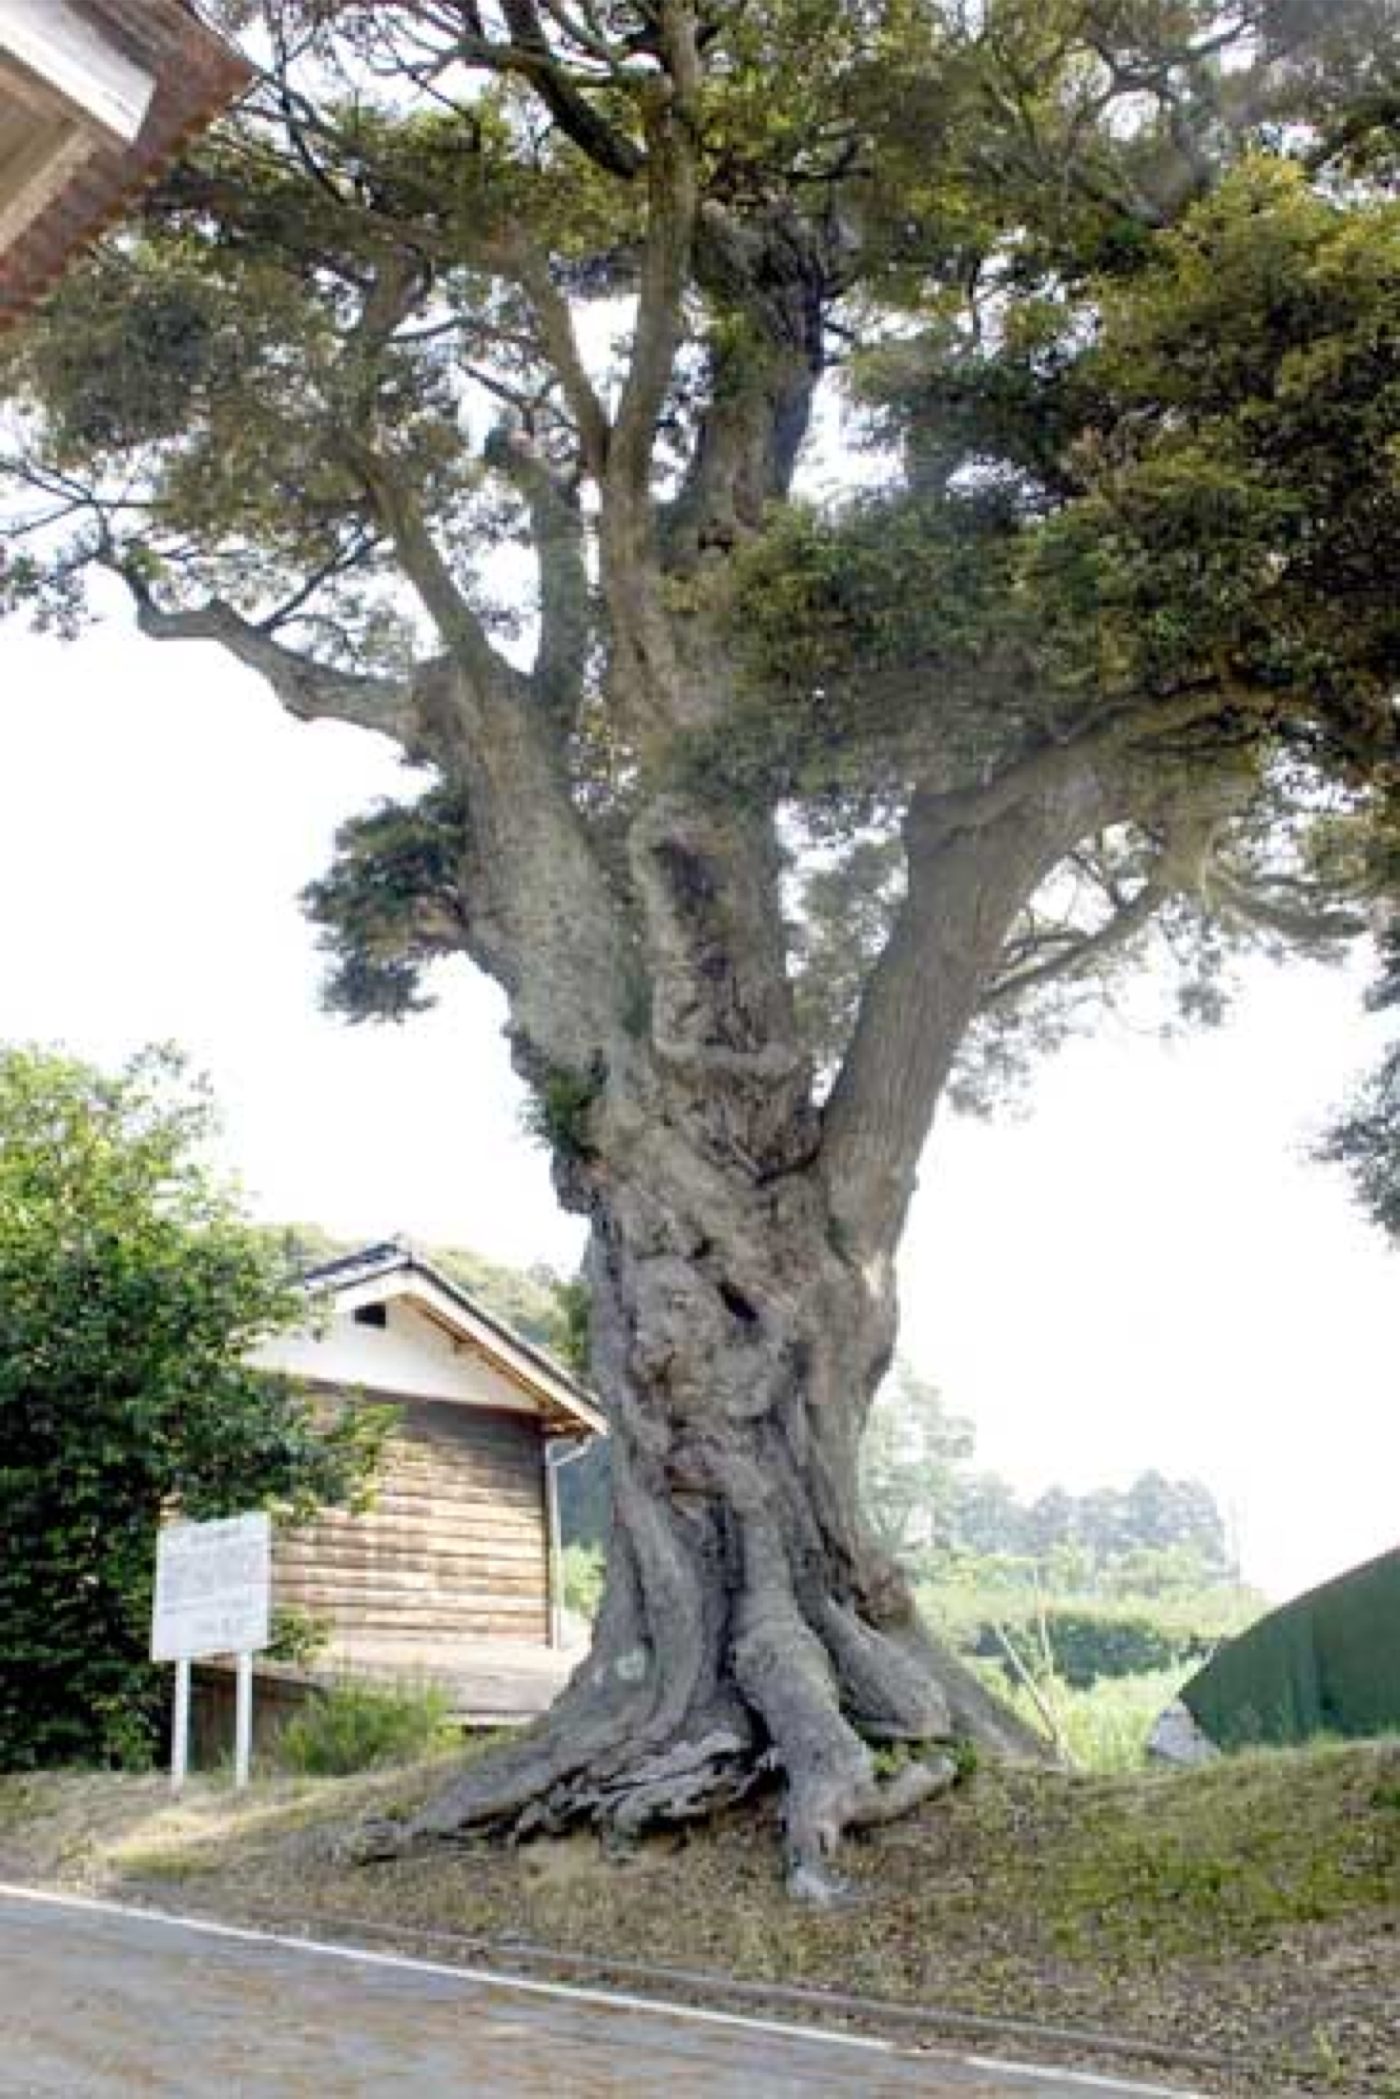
[(372, 1274), (97, 98)]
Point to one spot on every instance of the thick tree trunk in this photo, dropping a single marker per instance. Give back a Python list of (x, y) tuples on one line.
[(741, 1264), (750, 1622)]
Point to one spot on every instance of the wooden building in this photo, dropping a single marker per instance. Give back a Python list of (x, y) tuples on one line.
[(96, 98), (454, 1570)]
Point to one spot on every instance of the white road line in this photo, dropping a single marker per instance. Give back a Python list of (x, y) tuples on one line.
[(570, 1993), (1091, 2080)]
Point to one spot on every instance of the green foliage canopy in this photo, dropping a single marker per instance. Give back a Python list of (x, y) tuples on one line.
[(1114, 287), (1365, 1137)]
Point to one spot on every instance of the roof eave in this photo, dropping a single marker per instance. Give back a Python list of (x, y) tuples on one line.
[(197, 75), (566, 1408)]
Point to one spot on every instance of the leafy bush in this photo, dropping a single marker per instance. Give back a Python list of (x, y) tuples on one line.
[(1092, 1641), (583, 1569), (358, 1726), (298, 1636), (131, 1290), (979, 1603)]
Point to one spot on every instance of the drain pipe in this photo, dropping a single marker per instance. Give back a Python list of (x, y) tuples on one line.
[(558, 1452)]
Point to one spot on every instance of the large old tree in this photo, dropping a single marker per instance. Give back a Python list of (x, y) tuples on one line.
[(475, 386)]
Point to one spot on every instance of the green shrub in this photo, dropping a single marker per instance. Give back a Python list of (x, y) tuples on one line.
[(297, 1636), (131, 1289), (1092, 1641), (979, 1607), (584, 1570), (358, 1726)]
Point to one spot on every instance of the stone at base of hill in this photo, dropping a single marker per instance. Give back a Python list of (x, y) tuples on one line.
[(1178, 1738)]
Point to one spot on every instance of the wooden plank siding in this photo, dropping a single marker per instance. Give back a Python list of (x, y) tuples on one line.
[(456, 1543)]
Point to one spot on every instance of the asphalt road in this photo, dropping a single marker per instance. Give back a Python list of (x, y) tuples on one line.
[(102, 2003)]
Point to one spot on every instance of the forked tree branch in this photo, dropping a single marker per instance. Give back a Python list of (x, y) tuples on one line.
[(523, 263), (544, 924), (965, 889), (557, 535), (576, 115), (975, 858), (1309, 922), (1080, 952), (673, 201), (309, 690), (1042, 770), (401, 516)]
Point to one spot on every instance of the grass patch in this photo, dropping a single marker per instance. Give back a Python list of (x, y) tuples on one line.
[(356, 1726), (1230, 1855), (1104, 1728), (174, 1865)]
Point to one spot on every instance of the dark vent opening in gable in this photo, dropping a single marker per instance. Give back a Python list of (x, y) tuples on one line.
[(372, 1315)]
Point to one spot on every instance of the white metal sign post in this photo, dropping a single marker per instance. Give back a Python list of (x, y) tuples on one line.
[(213, 1596)]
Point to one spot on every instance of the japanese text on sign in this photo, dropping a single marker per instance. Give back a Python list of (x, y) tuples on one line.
[(213, 1588)]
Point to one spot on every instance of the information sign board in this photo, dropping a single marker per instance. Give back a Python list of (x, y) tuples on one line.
[(213, 1588)]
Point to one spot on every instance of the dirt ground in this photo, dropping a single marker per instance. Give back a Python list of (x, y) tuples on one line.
[(1250, 1911)]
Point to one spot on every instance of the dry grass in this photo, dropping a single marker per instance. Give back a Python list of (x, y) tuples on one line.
[(1252, 1908)]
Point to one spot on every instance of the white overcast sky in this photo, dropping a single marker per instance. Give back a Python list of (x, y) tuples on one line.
[(1145, 1272)]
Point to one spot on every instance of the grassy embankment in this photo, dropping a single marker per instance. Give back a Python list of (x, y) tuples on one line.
[(1251, 1909)]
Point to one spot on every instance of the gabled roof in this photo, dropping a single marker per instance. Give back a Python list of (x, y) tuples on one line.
[(97, 98), (393, 1268)]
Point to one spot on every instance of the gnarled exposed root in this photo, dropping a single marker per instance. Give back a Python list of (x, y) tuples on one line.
[(793, 1680), (531, 1787), (748, 1631), (538, 1785), (654, 1731)]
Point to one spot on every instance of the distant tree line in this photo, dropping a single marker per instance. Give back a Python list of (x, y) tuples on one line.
[(926, 1499), (1113, 1582), (929, 1503)]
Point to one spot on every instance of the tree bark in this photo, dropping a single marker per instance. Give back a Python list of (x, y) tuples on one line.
[(751, 1623)]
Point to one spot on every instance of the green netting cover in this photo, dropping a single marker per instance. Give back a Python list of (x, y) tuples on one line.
[(1327, 1664)]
